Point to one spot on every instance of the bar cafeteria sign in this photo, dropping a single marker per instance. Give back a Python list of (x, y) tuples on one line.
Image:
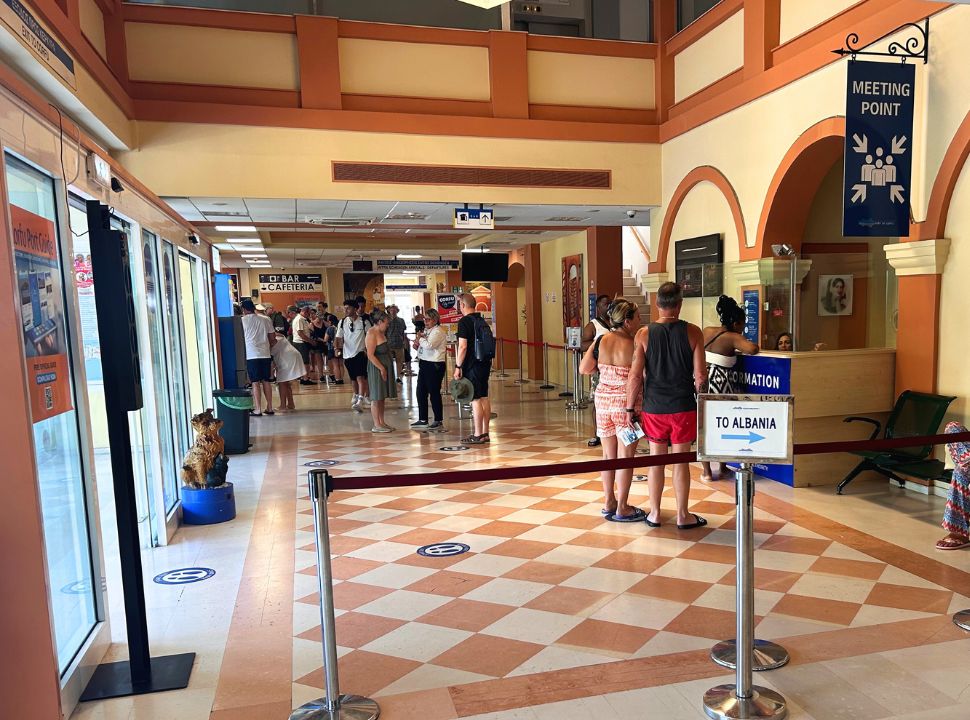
[(290, 283), (878, 149)]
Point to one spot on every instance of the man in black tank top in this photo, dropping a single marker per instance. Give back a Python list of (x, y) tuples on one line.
[(669, 367)]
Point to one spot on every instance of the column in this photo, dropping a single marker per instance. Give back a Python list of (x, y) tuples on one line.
[(650, 283), (533, 299), (604, 248), (919, 268)]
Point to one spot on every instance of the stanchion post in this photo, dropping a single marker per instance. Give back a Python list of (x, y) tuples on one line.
[(962, 620), (577, 403), (546, 385), (521, 380), (333, 706), (565, 374), (501, 360), (744, 699)]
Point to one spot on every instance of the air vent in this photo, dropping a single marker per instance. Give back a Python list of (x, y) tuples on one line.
[(527, 232), (337, 222), (225, 214), (407, 216), (502, 219), (566, 218), (468, 175)]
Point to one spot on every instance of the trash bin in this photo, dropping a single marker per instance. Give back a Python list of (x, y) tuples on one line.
[(232, 407)]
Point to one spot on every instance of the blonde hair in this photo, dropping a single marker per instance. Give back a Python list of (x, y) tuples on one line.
[(621, 311), (433, 316)]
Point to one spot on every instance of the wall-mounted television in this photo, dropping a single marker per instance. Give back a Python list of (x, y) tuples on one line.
[(485, 267)]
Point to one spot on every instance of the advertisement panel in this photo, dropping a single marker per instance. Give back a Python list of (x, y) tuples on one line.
[(42, 315), (448, 308)]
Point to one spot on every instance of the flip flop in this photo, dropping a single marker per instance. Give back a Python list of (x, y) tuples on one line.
[(649, 522), (699, 522), (606, 513), (952, 543), (638, 516), (255, 414)]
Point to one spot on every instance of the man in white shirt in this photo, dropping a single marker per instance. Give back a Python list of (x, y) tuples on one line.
[(260, 337), (300, 327), (351, 332)]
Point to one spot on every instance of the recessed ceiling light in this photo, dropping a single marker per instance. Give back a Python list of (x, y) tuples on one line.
[(410, 272), (408, 257), (236, 228), (475, 250), (244, 240), (224, 246), (253, 255)]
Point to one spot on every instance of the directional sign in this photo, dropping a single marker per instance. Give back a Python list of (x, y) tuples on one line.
[(474, 218), (878, 149), (745, 428)]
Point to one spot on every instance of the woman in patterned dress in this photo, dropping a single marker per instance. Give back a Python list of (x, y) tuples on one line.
[(722, 345), (956, 516)]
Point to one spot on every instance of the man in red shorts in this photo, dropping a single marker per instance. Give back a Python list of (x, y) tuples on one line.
[(668, 365)]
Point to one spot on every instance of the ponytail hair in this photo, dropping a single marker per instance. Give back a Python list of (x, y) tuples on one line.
[(729, 312)]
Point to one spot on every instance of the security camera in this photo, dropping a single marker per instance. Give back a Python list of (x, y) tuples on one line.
[(194, 240), (631, 213)]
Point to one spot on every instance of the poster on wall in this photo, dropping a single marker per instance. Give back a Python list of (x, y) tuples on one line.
[(42, 315), (834, 295), (572, 291), (448, 308), (483, 298), (84, 282), (752, 317), (370, 286)]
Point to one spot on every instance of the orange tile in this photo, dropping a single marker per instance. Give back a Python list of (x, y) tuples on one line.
[(567, 600), (560, 506), (848, 568), (438, 563), (714, 507), (350, 595), (668, 588), (704, 622), (487, 655), (262, 711), (345, 568), (538, 491), (632, 562), (528, 549), (501, 528), (904, 597), (805, 546), (763, 526), (710, 553), (470, 615), (488, 512), (416, 519), (541, 572), (476, 498), (602, 540), (364, 672), (452, 584), (426, 705), (356, 629), (341, 544), (607, 636), (424, 536), (776, 580), (812, 608), (406, 503), (578, 521), (339, 526)]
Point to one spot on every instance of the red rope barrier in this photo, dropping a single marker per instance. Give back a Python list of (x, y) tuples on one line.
[(585, 466)]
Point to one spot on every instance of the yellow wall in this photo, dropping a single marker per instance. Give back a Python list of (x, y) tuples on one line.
[(377, 67), (96, 100), (953, 376), (716, 54), (569, 79), (798, 16), (212, 56), (551, 254), (237, 161), (92, 25), (704, 212)]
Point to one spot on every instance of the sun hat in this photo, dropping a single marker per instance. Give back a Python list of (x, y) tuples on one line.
[(461, 390)]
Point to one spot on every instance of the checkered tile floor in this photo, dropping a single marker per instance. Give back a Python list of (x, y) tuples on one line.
[(548, 584)]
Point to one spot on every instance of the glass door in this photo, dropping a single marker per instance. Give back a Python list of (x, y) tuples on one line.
[(48, 348), (174, 345)]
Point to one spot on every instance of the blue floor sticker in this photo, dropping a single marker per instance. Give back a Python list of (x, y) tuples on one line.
[(184, 576), (443, 549)]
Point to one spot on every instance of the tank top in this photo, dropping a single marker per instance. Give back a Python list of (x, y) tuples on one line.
[(599, 328), (669, 382)]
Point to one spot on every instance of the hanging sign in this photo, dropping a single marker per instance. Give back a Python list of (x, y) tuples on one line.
[(745, 428), (878, 149), (42, 316), (28, 29), (474, 218), (393, 266), (448, 308), (290, 283)]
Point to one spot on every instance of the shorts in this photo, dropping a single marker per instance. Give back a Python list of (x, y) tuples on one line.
[(304, 349), (356, 366), (259, 370), (610, 412), (677, 428), (477, 374)]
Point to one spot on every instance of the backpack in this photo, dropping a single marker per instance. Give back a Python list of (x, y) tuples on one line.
[(484, 341)]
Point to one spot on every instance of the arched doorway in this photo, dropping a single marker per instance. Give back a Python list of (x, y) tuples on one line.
[(509, 299)]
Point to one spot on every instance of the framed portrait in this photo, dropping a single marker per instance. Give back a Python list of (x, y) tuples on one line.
[(573, 297), (835, 293)]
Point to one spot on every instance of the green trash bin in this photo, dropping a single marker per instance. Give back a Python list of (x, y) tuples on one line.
[(232, 407)]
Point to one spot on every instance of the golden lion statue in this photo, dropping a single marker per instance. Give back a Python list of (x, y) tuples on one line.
[(208, 448)]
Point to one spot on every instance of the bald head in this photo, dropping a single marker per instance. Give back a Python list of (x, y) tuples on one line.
[(468, 303)]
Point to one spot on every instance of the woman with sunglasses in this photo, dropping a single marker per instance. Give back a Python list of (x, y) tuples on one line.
[(380, 373)]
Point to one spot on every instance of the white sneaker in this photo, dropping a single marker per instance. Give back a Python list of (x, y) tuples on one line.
[(380, 429), (354, 401)]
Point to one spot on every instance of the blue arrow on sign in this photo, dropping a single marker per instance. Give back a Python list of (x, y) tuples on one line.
[(751, 437)]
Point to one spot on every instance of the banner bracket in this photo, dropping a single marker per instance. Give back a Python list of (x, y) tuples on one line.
[(916, 45)]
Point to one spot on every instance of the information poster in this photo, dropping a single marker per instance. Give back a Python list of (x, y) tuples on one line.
[(752, 301), (84, 281), (572, 291), (41, 300), (448, 308)]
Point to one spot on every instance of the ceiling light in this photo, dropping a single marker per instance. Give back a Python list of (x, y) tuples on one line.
[(408, 257), (475, 250), (236, 228), (224, 246), (485, 4), (410, 272), (253, 255), (244, 240)]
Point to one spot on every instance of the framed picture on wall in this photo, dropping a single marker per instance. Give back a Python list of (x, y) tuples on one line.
[(572, 291), (834, 295)]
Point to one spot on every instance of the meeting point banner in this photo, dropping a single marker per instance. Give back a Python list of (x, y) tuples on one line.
[(878, 149), (42, 316)]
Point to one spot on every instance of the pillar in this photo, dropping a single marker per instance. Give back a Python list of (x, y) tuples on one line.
[(919, 268), (650, 283), (533, 299), (604, 248)]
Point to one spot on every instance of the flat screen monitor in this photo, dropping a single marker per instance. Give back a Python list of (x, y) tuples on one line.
[(485, 267)]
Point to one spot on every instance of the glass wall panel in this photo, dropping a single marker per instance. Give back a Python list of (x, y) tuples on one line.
[(194, 338), (57, 441), (174, 334)]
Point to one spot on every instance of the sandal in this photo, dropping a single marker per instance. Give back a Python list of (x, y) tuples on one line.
[(471, 440), (952, 543), (638, 516), (698, 522), (255, 414)]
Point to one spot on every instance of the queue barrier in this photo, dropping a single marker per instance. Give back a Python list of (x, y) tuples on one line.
[(742, 699)]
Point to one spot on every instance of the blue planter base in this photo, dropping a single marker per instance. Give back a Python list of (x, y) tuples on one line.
[(207, 506)]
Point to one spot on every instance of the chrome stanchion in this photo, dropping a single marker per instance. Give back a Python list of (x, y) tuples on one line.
[(333, 706), (521, 380), (578, 402), (501, 360), (962, 620), (744, 699), (565, 374), (545, 368)]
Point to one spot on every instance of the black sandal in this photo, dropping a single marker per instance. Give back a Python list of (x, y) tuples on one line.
[(698, 522)]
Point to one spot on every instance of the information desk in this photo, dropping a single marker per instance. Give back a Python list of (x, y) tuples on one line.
[(828, 386)]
